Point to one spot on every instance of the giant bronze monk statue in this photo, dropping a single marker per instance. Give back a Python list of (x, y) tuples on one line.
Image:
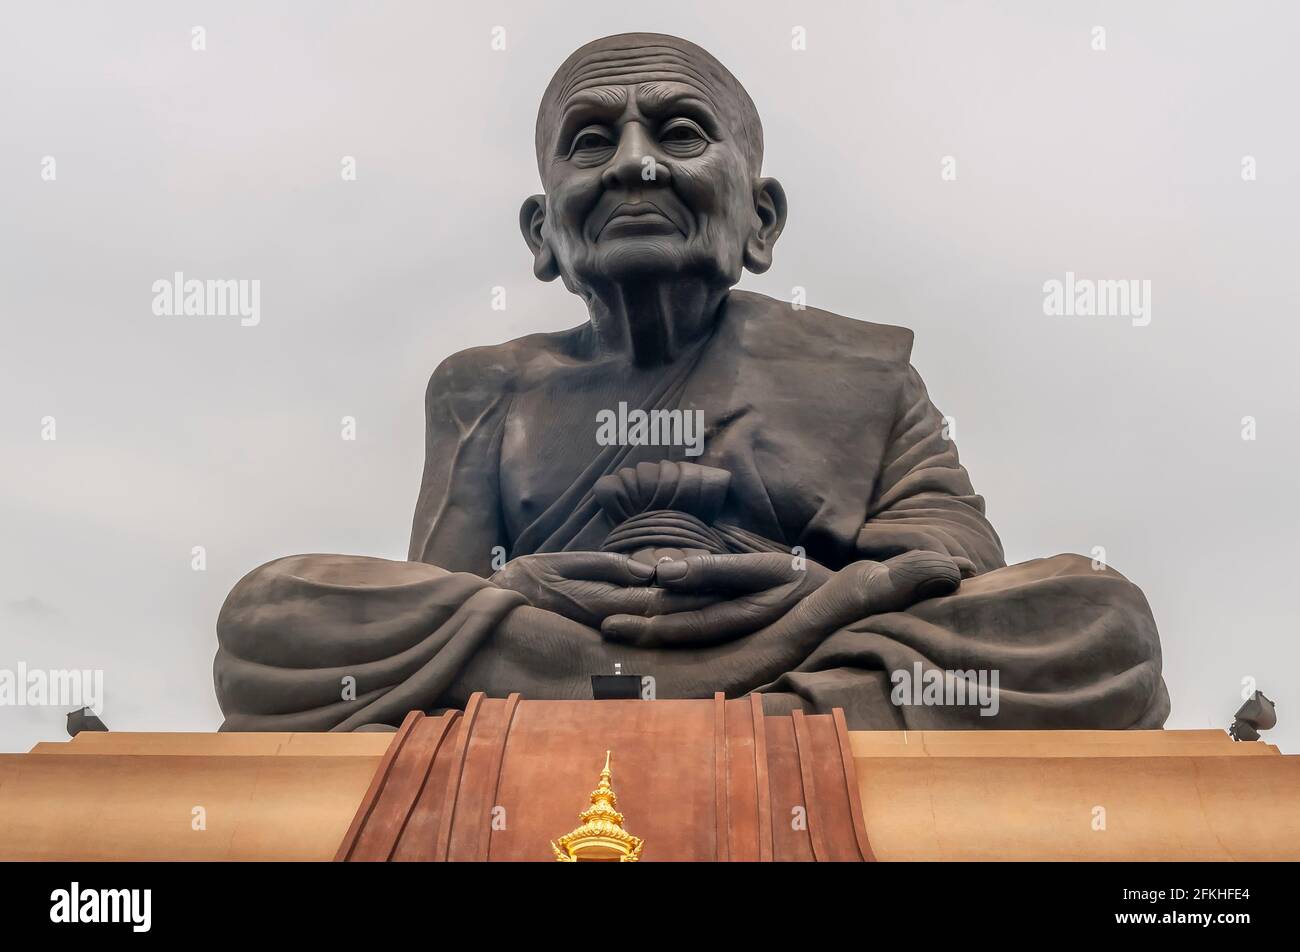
[(710, 487)]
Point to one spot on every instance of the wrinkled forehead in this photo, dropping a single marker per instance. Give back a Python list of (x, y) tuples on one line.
[(665, 67), (636, 64)]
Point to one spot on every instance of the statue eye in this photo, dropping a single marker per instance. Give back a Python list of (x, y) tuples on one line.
[(683, 137), (591, 139), (680, 134)]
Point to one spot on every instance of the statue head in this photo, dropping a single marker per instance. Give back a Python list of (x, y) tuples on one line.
[(650, 153)]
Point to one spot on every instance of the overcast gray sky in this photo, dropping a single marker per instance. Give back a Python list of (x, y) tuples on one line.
[(225, 163)]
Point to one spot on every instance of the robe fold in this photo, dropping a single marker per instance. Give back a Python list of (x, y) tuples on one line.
[(820, 438)]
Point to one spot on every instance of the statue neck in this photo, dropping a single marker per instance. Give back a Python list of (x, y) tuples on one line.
[(652, 322)]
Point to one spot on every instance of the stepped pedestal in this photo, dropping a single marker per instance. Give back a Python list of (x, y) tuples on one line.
[(704, 780)]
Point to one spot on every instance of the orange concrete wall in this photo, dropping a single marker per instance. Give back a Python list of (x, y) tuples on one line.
[(1189, 795), (132, 796)]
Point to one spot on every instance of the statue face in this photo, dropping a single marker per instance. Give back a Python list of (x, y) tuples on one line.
[(647, 174)]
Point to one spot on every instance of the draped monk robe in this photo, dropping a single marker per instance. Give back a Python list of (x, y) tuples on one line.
[(820, 436)]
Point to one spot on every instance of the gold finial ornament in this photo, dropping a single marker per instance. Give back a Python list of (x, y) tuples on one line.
[(601, 838)]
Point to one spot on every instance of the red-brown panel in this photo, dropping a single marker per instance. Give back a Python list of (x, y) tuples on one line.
[(662, 763), (420, 834), (849, 766), (762, 780), (790, 843), (407, 774), (721, 775), (455, 769), (367, 806), (814, 813), (830, 817), (477, 799), (742, 784), (697, 780)]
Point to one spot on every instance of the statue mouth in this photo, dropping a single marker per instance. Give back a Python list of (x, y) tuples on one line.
[(631, 219)]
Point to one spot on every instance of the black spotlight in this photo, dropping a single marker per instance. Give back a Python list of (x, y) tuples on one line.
[(83, 720), (1257, 714)]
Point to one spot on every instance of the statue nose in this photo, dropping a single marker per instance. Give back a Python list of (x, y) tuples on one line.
[(636, 162)]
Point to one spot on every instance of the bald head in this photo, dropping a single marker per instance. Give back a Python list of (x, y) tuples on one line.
[(650, 152), (646, 60)]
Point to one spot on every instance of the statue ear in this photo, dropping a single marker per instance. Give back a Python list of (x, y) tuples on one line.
[(769, 203), (532, 216)]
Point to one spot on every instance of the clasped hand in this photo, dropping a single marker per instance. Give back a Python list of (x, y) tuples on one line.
[(707, 599)]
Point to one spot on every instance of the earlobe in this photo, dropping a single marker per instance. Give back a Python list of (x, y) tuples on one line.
[(532, 216), (770, 206)]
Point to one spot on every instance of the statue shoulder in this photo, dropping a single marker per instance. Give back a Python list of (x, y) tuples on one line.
[(479, 375), (816, 331)]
